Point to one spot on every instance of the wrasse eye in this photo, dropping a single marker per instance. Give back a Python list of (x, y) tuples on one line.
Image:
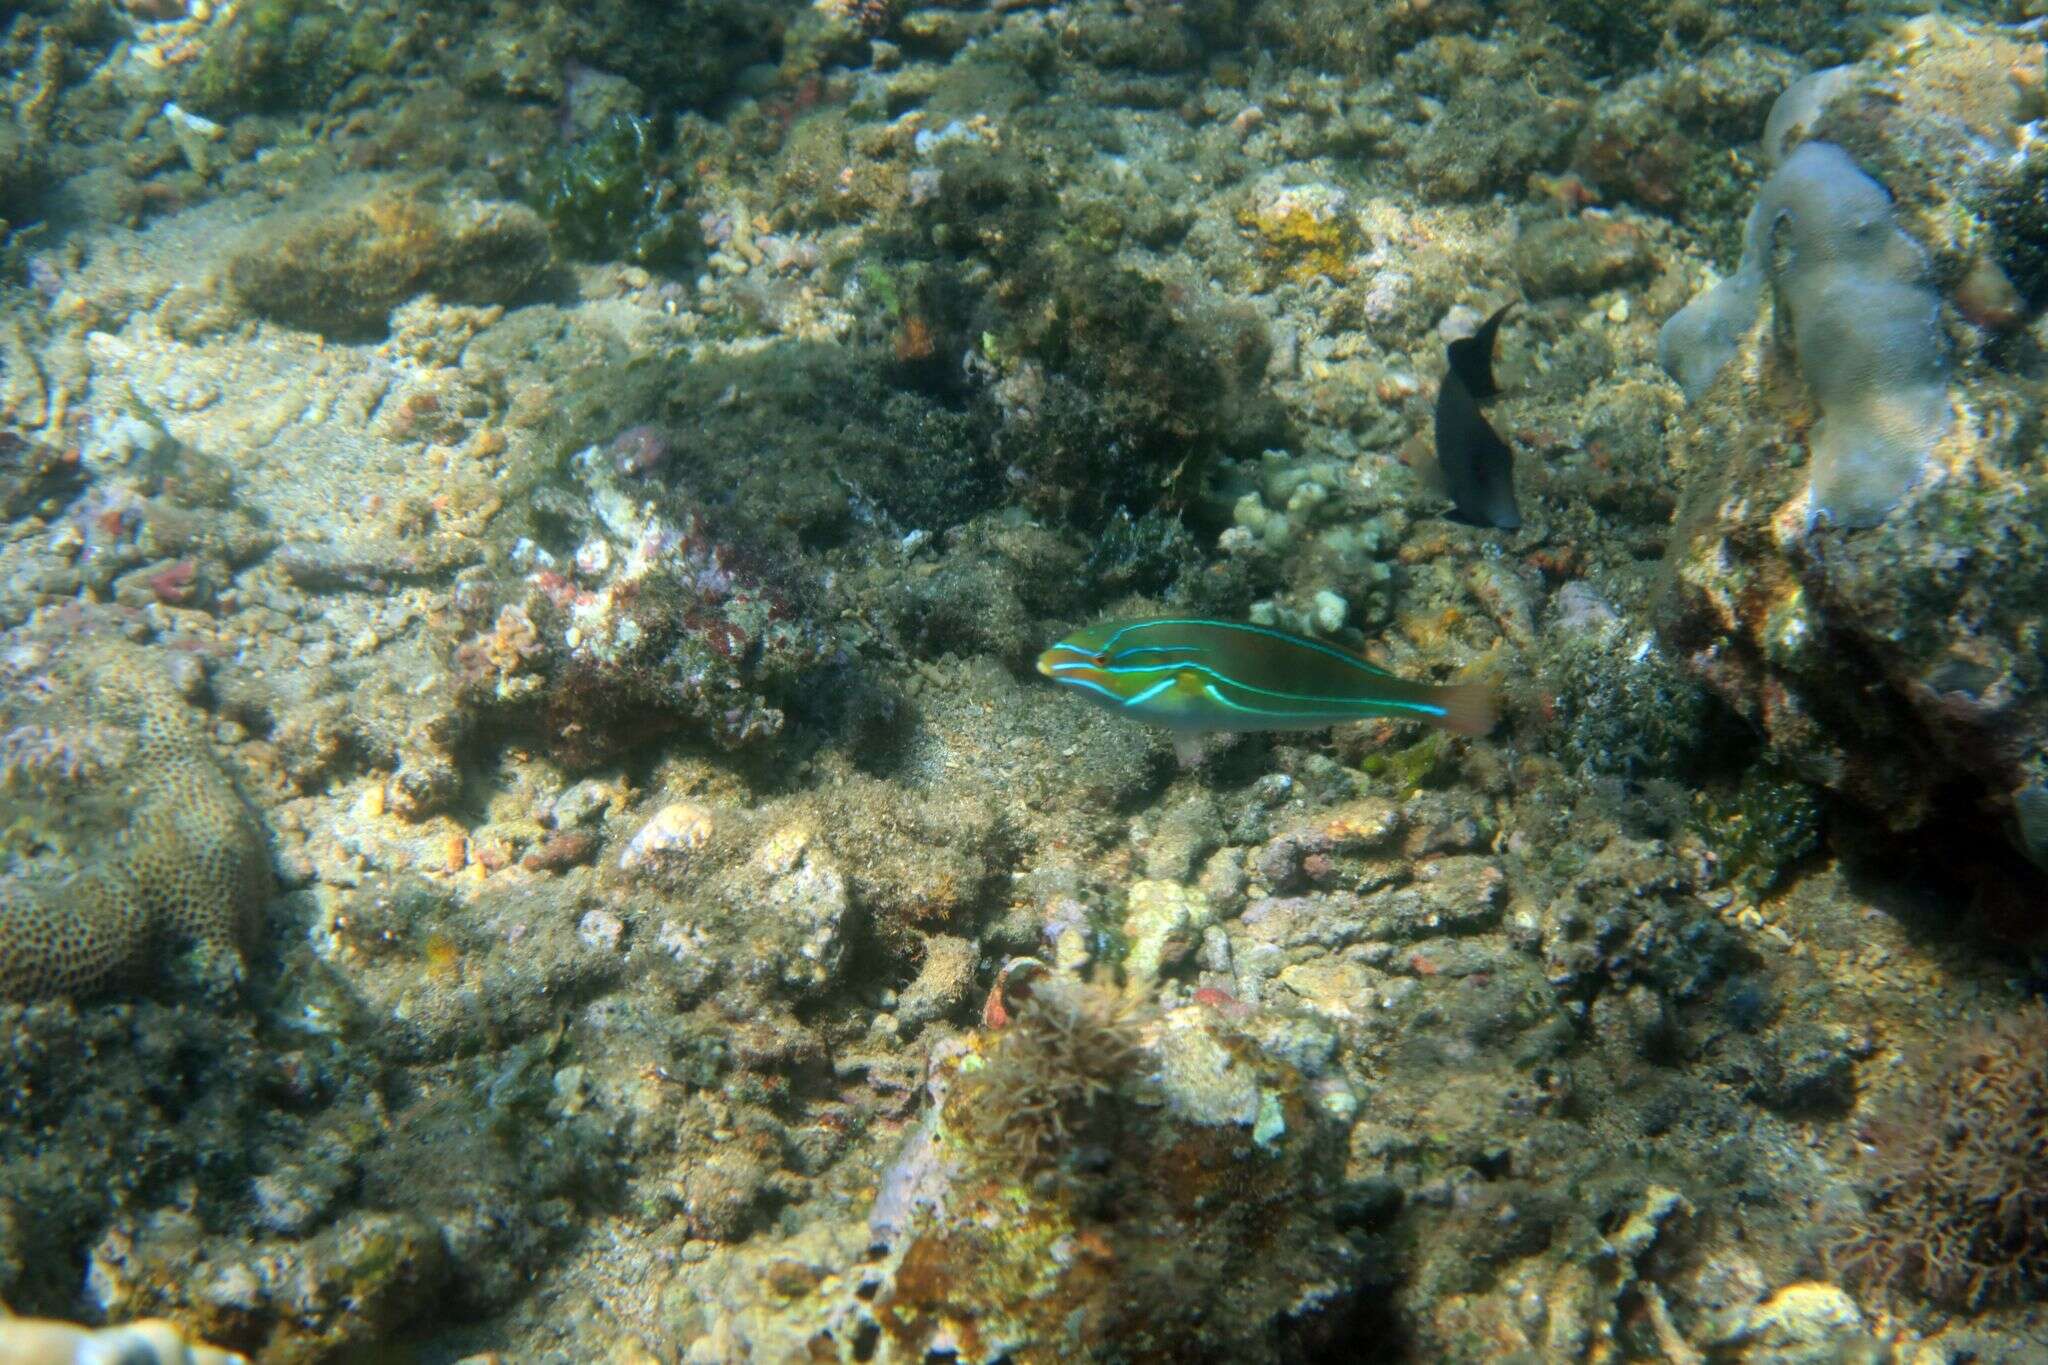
[(1099, 659)]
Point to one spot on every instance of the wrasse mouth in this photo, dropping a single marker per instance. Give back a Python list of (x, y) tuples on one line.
[(1045, 663)]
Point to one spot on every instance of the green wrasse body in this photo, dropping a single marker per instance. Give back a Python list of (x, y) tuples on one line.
[(1192, 675)]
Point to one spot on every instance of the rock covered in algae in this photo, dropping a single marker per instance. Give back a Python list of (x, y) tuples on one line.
[(341, 270), (349, 1286), (1884, 661), (128, 833), (1094, 1184)]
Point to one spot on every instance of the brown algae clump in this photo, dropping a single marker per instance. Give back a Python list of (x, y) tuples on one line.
[(1958, 1176), (1099, 1183), (340, 271), (1053, 1071)]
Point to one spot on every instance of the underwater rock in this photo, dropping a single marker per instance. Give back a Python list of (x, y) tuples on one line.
[(670, 835), (653, 627), (806, 895), (293, 1302), (1581, 255), (341, 270), (1661, 138), (1889, 661), (1163, 924), (991, 1235), (944, 979), (1808, 1323), (287, 54)]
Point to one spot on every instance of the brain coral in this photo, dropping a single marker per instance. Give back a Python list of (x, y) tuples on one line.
[(142, 842)]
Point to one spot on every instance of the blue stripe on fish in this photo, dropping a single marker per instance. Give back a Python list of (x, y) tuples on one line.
[(1194, 675)]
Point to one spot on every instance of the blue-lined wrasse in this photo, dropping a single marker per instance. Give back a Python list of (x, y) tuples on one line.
[(1192, 675)]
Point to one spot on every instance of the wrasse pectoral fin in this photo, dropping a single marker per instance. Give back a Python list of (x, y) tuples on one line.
[(1468, 708)]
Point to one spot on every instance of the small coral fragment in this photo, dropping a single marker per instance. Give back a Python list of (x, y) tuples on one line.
[(43, 1341)]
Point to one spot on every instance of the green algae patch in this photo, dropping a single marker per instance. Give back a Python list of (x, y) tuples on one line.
[(1761, 829), (613, 196)]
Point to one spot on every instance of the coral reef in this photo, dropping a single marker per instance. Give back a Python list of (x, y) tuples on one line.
[(576, 489), (1956, 1177)]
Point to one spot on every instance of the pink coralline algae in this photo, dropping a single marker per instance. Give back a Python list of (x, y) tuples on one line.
[(640, 450), (654, 629)]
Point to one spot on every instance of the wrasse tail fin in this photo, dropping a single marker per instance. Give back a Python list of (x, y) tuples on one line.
[(1468, 708)]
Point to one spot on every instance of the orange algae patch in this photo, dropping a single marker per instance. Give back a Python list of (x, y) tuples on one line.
[(443, 959), (1300, 245)]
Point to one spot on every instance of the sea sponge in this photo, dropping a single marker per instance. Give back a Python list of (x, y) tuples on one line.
[(1957, 1205), (156, 847), (1864, 327)]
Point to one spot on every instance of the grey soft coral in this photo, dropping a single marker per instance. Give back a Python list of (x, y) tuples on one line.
[(1864, 322)]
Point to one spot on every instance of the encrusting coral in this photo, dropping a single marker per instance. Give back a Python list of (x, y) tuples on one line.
[(1958, 1190), (189, 863)]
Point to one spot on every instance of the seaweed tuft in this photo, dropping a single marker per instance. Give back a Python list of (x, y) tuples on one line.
[(1957, 1207), (1055, 1072), (612, 196)]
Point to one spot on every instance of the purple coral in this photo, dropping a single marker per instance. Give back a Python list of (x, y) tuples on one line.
[(640, 450)]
